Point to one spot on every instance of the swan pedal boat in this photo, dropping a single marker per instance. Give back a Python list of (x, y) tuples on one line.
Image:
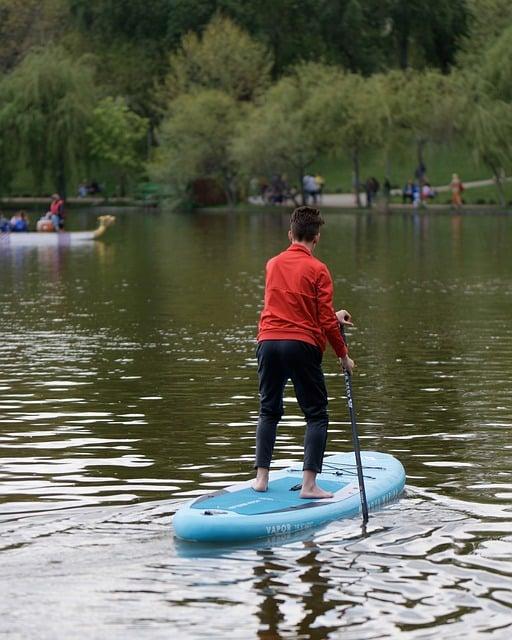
[(55, 238)]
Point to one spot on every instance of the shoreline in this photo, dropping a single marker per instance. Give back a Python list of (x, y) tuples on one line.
[(438, 209), (17, 202)]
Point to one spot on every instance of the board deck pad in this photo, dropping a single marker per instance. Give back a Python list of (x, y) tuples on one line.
[(280, 496), (238, 513)]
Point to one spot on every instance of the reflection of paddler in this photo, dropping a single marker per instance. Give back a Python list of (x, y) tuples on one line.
[(57, 211)]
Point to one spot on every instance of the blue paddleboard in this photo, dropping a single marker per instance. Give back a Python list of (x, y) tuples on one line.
[(239, 513)]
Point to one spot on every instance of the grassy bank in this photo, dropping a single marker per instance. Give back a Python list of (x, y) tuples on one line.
[(441, 163)]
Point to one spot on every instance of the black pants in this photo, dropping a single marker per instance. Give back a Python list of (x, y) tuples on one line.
[(279, 361)]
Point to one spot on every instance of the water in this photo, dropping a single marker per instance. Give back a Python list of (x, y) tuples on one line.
[(128, 384)]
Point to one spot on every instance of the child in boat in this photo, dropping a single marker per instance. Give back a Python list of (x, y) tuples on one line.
[(297, 319), (19, 222)]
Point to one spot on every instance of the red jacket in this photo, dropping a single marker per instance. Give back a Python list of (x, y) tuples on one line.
[(298, 301)]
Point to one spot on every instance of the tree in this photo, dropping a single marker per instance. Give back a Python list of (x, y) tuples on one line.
[(488, 20), (355, 114), (496, 68), (116, 136), (485, 121), (286, 131), (195, 142), (128, 39), (25, 24), (225, 58), (420, 107), (46, 103), (428, 33)]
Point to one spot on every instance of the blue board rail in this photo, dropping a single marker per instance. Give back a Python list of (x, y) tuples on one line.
[(239, 513)]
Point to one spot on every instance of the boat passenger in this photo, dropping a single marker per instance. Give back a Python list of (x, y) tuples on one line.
[(45, 223), (19, 222), (5, 227), (57, 211)]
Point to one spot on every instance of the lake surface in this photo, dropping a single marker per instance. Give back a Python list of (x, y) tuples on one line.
[(128, 384)]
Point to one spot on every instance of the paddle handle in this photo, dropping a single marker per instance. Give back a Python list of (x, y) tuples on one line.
[(355, 437)]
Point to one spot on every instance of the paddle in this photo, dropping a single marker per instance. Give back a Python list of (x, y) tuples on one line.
[(355, 438)]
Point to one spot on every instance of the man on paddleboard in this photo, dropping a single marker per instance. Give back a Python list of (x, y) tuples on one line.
[(298, 318)]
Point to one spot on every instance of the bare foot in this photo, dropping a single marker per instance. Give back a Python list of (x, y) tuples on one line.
[(260, 485), (261, 482), (315, 492)]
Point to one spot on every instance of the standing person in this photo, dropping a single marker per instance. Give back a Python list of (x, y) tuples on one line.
[(310, 187), (320, 183), (57, 211), (457, 188), (372, 187), (297, 319)]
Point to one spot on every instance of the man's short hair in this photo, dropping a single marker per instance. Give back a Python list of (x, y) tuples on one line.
[(305, 223)]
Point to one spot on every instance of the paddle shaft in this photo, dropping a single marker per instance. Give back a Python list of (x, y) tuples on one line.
[(355, 438)]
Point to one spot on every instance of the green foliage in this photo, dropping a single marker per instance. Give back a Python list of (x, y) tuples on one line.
[(428, 33), (195, 141), (225, 58), (287, 130), (116, 137), (488, 20), (46, 106), (497, 67), (17, 32), (421, 107)]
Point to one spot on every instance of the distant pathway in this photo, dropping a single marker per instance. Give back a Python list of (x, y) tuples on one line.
[(348, 200)]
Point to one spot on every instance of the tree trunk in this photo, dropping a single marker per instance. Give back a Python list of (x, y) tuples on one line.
[(420, 149), (122, 185), (403, 49), (230, 191), (301, 183), (386, 187), (499, 186), (356, 180)]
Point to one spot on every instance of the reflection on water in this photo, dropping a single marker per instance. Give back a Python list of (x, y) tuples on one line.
[(128, 383)]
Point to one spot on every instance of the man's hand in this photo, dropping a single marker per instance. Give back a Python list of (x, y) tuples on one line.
[(344, 318), (347, 364)]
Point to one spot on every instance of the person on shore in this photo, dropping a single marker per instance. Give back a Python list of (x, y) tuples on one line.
[(296, 321), (310, 187), (372, 187), (320, 183), (407, 192), (457, 188), (83, 189), (19, 222), (427, 192), (57, 212)]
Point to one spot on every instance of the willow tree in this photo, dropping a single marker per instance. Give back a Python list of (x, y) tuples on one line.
[(420, 108), (195, 142), (495, 71), (46, 105), (486, 124), (353, 114), (287, 130)]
